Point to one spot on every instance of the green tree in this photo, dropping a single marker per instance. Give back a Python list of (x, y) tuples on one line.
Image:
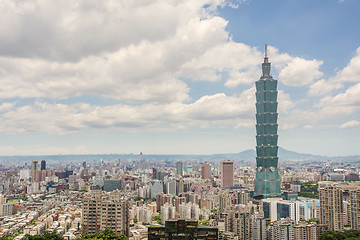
[(104, 235), (204, 222), (44, 236)]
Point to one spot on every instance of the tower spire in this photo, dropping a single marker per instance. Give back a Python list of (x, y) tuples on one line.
[(266, 59), (266, 66), (265, 50)]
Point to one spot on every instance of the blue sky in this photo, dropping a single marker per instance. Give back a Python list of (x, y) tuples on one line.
[(176, 76)]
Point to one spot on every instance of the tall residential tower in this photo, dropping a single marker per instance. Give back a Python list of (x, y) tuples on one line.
[(267, 183)]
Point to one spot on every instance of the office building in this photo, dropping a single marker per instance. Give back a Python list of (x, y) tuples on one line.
[(331, 207), (205, 171), (35, 167), (267, 182), (182, 229), (43, 165), (227, 173), (179, 168), (111, 185)]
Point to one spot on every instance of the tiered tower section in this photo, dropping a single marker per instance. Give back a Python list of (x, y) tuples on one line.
[(267, 181)]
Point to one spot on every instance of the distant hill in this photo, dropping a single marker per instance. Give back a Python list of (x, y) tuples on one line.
[(248, 155)]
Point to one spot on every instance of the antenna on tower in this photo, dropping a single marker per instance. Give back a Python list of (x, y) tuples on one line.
[(266, 50)]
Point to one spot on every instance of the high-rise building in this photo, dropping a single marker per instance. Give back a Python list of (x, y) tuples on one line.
[(258, 227), (238, 221), (155, 188), (281, 230), (5, 208), (102, 212), (308, 231), (242, 197), (35, 168), (179, 168), (43, 165), (167, 212), (227, 173), (267, 182), (331, 207), (355, 209), (84, 164), (205, 171), (115, 216)]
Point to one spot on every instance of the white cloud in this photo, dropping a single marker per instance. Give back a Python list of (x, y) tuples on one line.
[(64, 31), (322, 87), (351, 73), (79, 54), (237, 61), (284, 102), (300, 72), (350, 124), (137, 53), (350, 98), (63, 119), (6, 106)]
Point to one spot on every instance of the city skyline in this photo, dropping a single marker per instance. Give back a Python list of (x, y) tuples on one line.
[(176, 77)]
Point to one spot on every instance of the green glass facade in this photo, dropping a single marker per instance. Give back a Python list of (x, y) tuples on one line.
[(267, 182)]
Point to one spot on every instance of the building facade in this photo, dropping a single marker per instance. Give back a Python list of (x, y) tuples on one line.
[(182, 229)]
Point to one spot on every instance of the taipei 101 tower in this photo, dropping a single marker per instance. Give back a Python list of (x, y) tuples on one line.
[(267, 182)]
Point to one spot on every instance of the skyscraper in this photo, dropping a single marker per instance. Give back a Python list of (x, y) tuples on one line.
[(227, 173), (43, 165), (267, 182), (205, 171), (35, 168), (179, 168)]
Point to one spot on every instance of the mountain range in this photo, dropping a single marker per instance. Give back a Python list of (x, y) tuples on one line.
[(246, 156)]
